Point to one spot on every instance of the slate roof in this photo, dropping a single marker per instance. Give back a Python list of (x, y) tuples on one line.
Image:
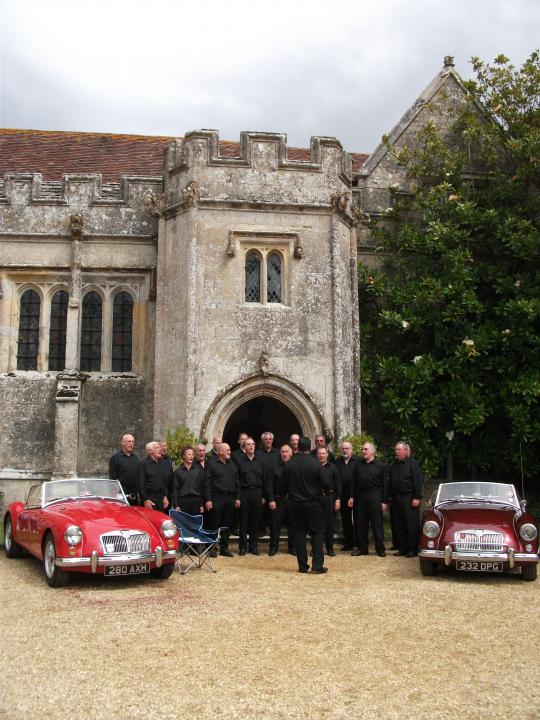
[(54, 154)]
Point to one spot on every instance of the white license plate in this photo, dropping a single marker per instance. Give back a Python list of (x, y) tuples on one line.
[(135, 569), (479, 565)]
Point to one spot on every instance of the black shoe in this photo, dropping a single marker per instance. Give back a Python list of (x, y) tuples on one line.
[(356, 553), (292, 551), (226, 553), (382, 553), (331, 553), (411, 553), (303, 570), (254, 552), (399, 553), (319, 571), (272, 551), (345, 548), (241, 551)]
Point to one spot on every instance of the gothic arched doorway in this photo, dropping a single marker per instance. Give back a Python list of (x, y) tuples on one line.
[(258, 415)]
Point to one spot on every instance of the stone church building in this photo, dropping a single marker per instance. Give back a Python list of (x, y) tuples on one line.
[(148, 282)]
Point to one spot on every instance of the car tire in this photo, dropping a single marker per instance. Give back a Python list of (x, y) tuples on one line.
[(11, 546), (428, 567), (163, 572), (529, 572), (54, 575)]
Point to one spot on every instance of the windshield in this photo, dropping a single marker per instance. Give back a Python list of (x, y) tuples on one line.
[(489, 491), (82, 488)]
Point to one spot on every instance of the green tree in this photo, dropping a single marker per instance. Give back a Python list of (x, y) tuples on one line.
[(451, 321)]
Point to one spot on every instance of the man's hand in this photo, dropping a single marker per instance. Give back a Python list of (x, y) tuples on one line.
[(237, 504), (166, 502), (337, 505), (350, 502), (208, 505), (272, 505), (384, 507), (149, 504), (415, 502)]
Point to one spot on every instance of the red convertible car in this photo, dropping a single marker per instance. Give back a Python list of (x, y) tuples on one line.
[(87, 525), (479, 527)]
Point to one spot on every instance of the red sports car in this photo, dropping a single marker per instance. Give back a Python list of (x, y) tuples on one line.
[(87, 525), (479, 527)]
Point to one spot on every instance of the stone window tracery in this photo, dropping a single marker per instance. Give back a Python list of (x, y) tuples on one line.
[(264, 275), (253, 277), (28, 341), (57, 331), (273, 278), (91, 332), (122, 335)]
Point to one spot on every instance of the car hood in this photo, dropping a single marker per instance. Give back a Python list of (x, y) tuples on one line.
[(478, 516), (99, 516)]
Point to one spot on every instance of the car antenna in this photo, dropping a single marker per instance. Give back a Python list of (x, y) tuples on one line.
[(521, 468)]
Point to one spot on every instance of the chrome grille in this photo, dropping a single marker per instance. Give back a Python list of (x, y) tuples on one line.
[(123, 541), (478, 540)]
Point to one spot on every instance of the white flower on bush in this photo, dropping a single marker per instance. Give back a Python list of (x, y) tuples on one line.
[(468, 342), (506, 332), (417, 359), (405, 325)]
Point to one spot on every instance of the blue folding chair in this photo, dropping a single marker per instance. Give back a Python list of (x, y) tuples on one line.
[(197, 545)]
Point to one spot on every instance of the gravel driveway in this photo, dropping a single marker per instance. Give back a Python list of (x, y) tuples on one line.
[(371, 639)]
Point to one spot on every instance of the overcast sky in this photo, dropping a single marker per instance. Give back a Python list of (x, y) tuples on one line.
[(348, 69)]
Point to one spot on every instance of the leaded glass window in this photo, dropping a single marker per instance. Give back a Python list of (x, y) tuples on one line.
[(57, 332), (253, 277), (91, 332), (122, 332), (273, 278), (28, 342)]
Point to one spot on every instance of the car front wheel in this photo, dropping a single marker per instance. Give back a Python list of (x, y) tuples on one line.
[(55, 576), (428, 567), (528, 572), (11, 546), (163, 572)]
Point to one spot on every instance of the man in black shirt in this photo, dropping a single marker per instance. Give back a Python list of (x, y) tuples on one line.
[(320, 442), (304, 483), (213, 454), (154, 479), (405, 493), (367, 500), (268, 454), (278, 504), (241, 449), (222, 495), (168, 468), (345, 467), (251, 474), (331, 500), (124, 467), (188, 485), (200, 457)]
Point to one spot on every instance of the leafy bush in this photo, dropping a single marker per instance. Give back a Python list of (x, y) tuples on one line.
[(177, 440)]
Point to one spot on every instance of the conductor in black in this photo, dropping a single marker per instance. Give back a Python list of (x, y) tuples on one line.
[(304, 482)]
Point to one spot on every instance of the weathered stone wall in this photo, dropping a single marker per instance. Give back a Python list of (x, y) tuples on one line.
[(111, 406), (27, 422)]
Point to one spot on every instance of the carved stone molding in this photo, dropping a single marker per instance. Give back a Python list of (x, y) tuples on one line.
[(191, 194)]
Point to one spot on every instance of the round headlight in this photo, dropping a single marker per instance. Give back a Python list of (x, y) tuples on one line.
[(431, 529), (528, 531), (73, 535), (168, 529)]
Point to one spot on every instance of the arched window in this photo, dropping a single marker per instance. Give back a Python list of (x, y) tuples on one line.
[(91, 332), (57, 332), (273, 278), (122, 332), (253, 277), (28, 343)]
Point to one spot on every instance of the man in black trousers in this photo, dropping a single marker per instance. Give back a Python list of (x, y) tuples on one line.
[(405, 493), (222, 495), (331, 498), (345, 466), (367, 500), (278, 504), (304, 482), (251, 474)]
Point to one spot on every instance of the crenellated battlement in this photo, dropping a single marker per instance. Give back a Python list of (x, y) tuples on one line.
[(259, 169), (31, 189)]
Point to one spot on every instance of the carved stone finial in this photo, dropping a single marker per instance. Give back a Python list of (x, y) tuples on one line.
[(191, 193), (360, 216), (448, 61), (154, 204), (76, 223), (263, 364), (231, 250), (340, 201), (298, 250)]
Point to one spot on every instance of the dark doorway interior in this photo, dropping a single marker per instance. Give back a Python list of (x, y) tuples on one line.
[(258, 415)]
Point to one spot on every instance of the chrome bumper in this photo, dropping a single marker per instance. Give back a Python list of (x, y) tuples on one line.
[(448, 555), (95, 560)]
